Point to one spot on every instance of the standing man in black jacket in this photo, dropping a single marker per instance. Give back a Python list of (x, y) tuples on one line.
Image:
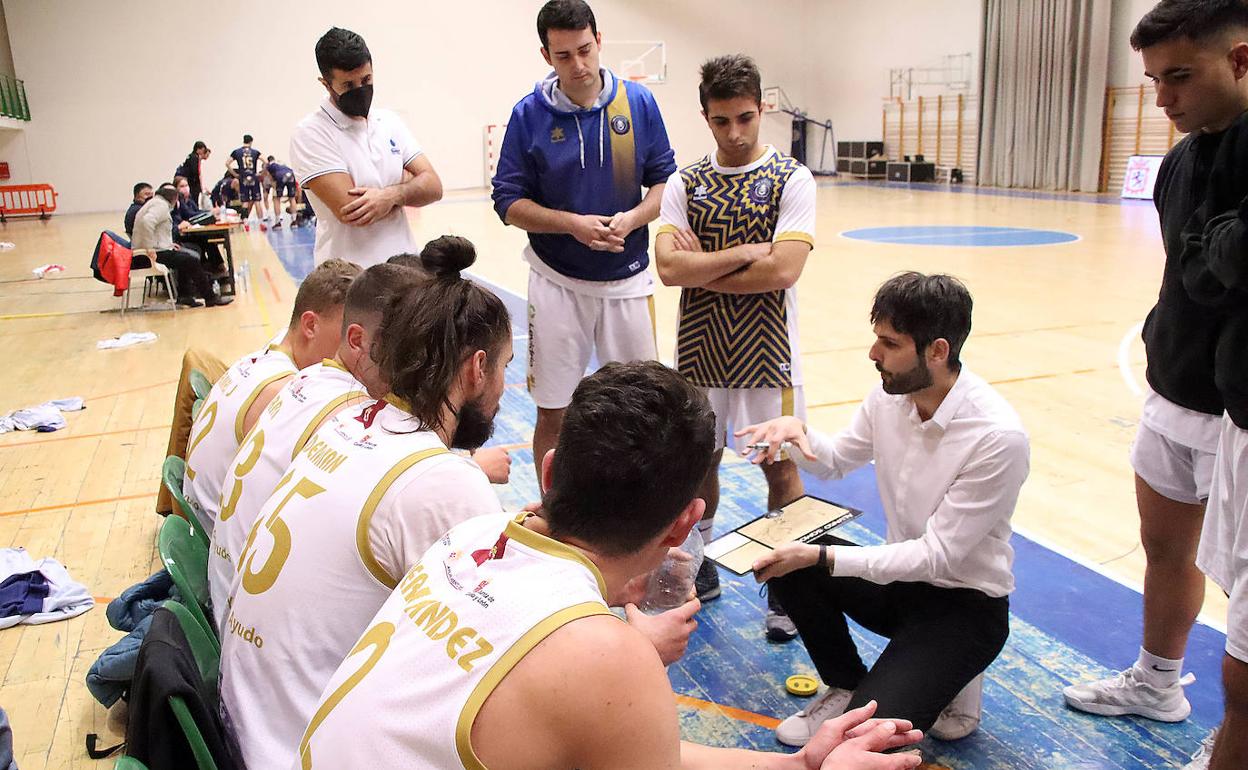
[(190, 169), (1215, 273), (1194, 53)]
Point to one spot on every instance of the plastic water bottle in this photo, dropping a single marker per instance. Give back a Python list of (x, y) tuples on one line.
[(671, 585), (244, 274)]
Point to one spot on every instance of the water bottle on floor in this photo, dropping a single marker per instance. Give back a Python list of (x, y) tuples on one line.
[(671, 585)]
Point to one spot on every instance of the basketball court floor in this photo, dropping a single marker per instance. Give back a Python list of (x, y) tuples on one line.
[(1061, 284)]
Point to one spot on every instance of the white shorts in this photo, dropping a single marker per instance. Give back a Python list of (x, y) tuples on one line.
[(1173, 470), (735, 408), (1223, 553), (566, 327)]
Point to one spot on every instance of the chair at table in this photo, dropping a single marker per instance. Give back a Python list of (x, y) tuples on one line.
[(151, 276)]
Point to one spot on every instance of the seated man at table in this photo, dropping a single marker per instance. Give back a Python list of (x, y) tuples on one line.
[(142, 194), (153, 235), (184, 213), (950, 457)]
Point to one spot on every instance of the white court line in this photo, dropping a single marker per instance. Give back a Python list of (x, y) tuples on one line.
[(1124, 358)]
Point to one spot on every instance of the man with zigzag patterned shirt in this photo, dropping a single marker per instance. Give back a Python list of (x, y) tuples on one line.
[(735, 230)]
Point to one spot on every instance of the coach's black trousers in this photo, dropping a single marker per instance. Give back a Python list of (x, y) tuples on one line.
[(939, 638)]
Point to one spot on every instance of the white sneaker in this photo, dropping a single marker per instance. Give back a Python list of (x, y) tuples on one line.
[(961, 717), (1200, 760), (1128, 693), (799, 728)]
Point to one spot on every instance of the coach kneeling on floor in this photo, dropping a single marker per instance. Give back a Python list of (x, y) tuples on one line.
[(950, 456)]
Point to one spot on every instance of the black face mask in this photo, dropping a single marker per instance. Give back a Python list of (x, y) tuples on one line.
[(356, 101)]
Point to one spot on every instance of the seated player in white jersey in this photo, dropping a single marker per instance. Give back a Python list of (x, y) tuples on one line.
[(497, 649), (735, 230), (294, 415), (242, 393), (367, 495)]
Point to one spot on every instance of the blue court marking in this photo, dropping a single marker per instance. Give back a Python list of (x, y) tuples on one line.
[(1068, 624), (960, 235), (1103, 199)]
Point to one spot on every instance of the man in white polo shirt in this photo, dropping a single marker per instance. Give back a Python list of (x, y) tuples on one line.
[(360, 166), (950, 457)]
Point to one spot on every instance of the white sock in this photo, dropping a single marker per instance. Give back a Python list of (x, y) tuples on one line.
[(1158, 671), (704, 529)]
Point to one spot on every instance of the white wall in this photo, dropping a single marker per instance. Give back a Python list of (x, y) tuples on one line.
[(855, 44), (119, 90)]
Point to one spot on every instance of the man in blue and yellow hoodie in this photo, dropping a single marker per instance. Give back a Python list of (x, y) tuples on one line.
[(577, 153)]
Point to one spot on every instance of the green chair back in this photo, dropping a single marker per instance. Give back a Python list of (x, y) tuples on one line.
[(203, 646), (195, 407), (184, 551), (199, 748), (172, 474), (129, 763), (200, 385)]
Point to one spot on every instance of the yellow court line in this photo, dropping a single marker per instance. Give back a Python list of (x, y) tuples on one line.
[(75, 504), (83, 435), (132, 390), (264, 306), (15, 316)]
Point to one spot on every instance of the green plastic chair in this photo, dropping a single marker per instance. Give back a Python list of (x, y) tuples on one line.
[(203, 645), (129, 763), (200, 385), (195, 407), (172, 472), (199, 747), (184, 552)]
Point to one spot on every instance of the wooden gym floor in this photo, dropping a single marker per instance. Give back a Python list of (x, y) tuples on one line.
[(1055, 328)]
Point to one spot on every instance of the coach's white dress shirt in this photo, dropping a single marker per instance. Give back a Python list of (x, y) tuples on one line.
[(948, 485)]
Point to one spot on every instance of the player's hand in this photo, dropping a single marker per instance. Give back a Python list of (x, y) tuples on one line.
[(853, 741), (687, 241), (368, 205), (495, 462), (774, 433), (183, 226), (623, 223), (669, 631), (785, 559), (594, 231)]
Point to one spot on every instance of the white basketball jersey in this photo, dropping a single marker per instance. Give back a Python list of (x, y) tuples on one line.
[(284, 428), (218, 429), (311, 574), (482, 597)]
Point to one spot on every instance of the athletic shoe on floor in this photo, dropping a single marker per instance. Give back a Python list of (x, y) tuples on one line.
[(961, 717), (777, 624), (1127, 693), (189, 301), (798, 729), (1200, 760), (218, 301), (707, 581)]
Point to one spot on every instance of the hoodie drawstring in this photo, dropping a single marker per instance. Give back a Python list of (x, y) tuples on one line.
[(602, 130), (581, 137)]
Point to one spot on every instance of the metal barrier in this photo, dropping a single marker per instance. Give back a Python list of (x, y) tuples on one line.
[(19, 199)]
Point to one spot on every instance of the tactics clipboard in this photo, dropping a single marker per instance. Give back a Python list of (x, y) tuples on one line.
[(803, 520)]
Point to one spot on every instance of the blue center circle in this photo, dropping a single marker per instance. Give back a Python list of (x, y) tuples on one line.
[(960, 235)]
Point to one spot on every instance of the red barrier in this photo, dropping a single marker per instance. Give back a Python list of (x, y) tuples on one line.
[(20, 199)]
